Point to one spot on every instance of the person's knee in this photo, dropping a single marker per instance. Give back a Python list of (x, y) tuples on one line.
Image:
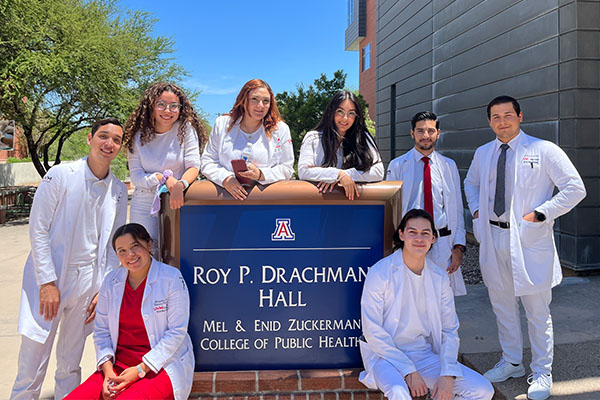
[(398, 392), (486, 390)]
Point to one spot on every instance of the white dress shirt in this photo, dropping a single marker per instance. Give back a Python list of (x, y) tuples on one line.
[(417, 194), (87, 231), (311, 161), (273, 156), (509, 177)]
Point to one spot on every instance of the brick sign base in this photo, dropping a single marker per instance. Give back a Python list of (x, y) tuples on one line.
[(317, 384)]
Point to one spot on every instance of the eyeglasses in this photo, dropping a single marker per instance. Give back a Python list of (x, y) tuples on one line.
[(341, 113), (162, 106)]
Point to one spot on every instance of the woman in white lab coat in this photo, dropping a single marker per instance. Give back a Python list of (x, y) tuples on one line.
[(253, 132), (340, 151), (164, 137), (143, 349), (410, 325)]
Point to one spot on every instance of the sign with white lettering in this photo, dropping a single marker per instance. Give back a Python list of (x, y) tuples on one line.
[(278, 286)]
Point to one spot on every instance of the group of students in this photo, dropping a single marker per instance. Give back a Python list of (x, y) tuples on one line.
[(409, 322), (79, 237), (141, 310)]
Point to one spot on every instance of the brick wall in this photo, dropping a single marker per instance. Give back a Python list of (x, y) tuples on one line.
[(367, 79), (323, 384)]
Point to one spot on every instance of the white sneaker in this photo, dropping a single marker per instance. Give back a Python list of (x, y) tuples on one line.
[(504, 370), (539, 386)]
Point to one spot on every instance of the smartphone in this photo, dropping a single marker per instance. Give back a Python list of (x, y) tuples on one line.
[(240, 166)]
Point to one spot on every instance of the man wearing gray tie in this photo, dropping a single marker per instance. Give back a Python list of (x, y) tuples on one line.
[(509, 189)]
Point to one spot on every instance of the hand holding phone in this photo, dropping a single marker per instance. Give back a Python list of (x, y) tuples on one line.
[(240, 166)]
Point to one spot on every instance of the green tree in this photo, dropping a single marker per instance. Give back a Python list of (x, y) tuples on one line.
[(303, 109), (66, 63)]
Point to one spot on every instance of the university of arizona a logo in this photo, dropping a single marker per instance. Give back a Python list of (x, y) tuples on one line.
[(283, 230)]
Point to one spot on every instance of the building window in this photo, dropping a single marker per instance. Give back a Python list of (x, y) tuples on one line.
[(350, 11), (366, 57)]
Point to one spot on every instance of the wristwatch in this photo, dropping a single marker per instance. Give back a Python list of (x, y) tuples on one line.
[(461, 247), (141, 372), (539, 216), (185, 184)]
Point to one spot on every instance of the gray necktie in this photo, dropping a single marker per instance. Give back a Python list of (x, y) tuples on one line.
[(499, 206)]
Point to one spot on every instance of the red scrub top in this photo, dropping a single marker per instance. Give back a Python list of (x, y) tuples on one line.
[(133, 340)]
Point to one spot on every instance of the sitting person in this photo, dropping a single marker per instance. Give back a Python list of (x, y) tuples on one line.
[(409, 323), (340, 151), (253, 132), (142, 345)]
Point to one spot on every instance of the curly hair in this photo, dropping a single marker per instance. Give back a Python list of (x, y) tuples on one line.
[(269, 121), (357, 139), (141, 119)]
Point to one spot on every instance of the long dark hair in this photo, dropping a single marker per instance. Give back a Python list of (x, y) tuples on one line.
[(414, 213), (357, 140), (137, 231)]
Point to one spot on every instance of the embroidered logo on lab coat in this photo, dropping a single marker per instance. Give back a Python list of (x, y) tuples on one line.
[(160, 306), (531, 159)]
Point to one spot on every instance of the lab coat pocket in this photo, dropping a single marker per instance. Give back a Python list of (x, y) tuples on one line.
[(528, 175), (535, 234)]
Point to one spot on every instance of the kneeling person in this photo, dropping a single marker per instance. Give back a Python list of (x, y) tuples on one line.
[(410, 324)]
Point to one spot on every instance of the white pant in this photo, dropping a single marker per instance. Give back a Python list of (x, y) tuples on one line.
[(33, 356), (506, 307), (139, 212), (470, 386)]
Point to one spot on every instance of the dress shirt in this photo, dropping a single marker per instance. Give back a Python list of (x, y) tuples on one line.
[(417, 194), (510, 177), (87, 230)]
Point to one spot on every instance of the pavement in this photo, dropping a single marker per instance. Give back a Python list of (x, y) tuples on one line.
[(575, 311)]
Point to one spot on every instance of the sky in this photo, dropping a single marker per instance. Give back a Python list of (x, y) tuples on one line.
[(225, 43)]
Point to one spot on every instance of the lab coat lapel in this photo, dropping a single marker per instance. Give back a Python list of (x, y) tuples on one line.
[(117, 291), (73, 201), (407, 169), (109, 211), (433, 289)]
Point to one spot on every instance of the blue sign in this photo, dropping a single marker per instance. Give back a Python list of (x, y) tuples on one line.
[(277, 286)]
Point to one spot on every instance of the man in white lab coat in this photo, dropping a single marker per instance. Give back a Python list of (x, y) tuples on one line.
[(509, 189), (428, 175), (75, 211), (410, 326)]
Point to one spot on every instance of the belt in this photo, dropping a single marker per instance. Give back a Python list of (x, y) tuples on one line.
[(444, 232), (503, 225)]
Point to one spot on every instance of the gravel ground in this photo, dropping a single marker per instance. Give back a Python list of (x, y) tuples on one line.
[(470, 263)]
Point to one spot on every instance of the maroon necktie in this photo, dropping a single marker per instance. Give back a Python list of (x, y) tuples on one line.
[(427, 186)]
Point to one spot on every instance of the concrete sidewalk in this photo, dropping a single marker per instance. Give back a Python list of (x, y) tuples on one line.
[(14, 248), (575, 310), (576, 319)]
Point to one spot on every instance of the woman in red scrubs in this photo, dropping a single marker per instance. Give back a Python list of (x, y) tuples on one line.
[(140, 332)]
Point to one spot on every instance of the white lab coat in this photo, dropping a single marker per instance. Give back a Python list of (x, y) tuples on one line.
[(166, 312), (539, 166), (311, 160), (56, 209), (380, 303), (224, 146), (403, 169)]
